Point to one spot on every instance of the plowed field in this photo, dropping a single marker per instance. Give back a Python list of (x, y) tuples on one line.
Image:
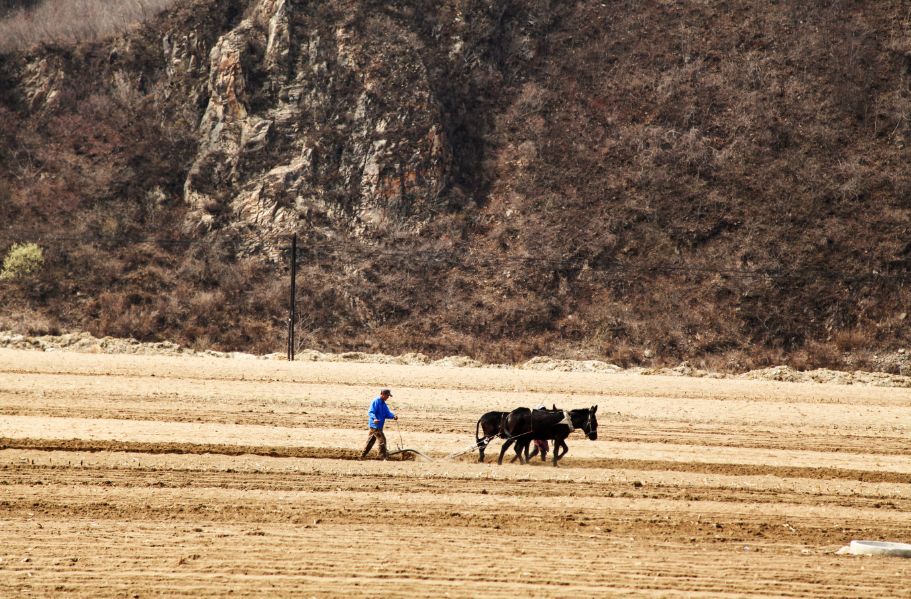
[(167, 476)]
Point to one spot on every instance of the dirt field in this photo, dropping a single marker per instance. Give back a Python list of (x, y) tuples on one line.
[(142, 476)]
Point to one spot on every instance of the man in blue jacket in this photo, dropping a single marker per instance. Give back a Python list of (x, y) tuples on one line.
[(377, 415)]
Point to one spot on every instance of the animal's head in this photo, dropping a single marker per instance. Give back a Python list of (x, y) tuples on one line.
[(584, 418), (592, 429)]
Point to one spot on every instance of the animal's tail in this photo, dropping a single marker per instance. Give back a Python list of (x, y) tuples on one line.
[(477, 439)]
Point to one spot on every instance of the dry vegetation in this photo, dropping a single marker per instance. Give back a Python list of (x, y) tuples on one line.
[(25, 24), (640, 182)]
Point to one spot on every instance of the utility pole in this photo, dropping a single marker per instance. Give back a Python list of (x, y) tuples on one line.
[(292, 312)]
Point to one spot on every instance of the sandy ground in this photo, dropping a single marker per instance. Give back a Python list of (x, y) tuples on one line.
[(138, 476)]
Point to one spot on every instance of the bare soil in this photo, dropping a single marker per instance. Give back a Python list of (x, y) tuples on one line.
[(136, 476)]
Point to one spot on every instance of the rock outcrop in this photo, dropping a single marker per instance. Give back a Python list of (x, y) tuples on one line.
[(316, 122)]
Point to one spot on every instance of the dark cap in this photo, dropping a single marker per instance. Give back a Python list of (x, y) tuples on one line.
[(386, 392)]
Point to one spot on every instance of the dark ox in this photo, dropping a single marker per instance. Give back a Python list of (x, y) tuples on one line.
[(491, 424), (523, 425)]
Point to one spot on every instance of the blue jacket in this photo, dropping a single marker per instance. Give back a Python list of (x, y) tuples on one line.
[(380, 411)]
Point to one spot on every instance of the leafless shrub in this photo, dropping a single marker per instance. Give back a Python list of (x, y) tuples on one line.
[(70, 21), (207, 302), (29, 322), (853, 181), (852, 339), (815, 354)]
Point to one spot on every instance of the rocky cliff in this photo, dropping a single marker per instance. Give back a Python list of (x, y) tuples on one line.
[(641, 182), (318, 118)]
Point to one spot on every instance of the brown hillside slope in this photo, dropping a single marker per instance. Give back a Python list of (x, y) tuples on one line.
[(636, 181)]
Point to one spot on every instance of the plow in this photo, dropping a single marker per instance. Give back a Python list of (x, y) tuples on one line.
[(405, 452)]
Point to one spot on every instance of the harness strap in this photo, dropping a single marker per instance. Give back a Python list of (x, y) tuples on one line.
[(567, 420)]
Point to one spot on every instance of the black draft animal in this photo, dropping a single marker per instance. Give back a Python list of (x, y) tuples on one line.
[(491, 424), (539, 444), (523, 425)]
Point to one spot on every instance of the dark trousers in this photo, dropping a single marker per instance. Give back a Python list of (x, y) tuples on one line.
[(376, 434)]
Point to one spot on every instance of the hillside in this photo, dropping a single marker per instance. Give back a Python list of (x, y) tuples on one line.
[(639, 182)]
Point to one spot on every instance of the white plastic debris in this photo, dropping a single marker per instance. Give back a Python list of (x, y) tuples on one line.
[(876, 548)]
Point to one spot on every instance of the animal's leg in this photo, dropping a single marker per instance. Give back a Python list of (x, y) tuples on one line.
[(482, 445), (565, 449), (558, 455), (520, 446), (534, 452), (503, 450)]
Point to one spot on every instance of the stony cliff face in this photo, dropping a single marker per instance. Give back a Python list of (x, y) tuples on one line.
[(318, 122)]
